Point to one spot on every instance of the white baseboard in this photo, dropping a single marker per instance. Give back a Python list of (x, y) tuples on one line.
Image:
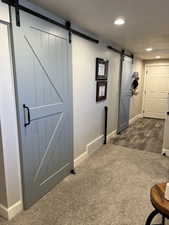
[(95, 144), (165, 151), (132, 120), (111, 135), (3, 212), (98, 142), (80, 158), (11, 212), (92, 147)]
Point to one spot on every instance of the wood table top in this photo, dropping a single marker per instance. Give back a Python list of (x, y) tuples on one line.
[(158, 200)]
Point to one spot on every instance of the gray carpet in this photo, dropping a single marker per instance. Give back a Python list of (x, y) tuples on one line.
[(110, 188), (145, 134)]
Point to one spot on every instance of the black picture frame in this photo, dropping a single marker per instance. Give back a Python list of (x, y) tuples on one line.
[(101, 90), (101, 69)]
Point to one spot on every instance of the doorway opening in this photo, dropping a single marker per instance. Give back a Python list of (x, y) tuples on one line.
[(148, 132)]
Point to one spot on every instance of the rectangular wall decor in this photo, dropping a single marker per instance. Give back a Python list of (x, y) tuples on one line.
[(101, 91), (101, 69)]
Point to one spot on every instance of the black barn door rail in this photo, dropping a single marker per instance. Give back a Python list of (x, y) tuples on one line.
[(122, 51), (34, 13), (114, 49)]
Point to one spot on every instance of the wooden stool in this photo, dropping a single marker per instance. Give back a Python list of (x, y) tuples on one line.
[(160, 204)]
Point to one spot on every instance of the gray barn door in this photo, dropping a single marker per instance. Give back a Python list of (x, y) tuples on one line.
[(125, 95), (43, 82)]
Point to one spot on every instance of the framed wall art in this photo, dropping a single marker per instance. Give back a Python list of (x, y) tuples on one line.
[(101, 69), (101, 91)]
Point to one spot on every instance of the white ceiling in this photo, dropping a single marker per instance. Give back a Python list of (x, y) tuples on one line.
[(147, 22)]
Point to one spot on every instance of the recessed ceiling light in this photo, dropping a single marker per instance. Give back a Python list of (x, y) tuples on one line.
[(158, 57), (149, 49), (119, 21)]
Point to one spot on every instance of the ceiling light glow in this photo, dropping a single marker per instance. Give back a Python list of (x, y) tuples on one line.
[(149, 49), (119, 21), (158, 57)]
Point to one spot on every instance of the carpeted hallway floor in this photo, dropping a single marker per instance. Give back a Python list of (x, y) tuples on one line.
[(144, 134), (110, 188)]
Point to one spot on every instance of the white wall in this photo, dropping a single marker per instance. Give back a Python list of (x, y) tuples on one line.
[(136, 100), (89, 115), (10, 190), (4, 12), (4, 17), (166, 139), (3, 195)]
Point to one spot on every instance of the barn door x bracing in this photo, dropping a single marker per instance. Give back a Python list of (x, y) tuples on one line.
[(44, 93)]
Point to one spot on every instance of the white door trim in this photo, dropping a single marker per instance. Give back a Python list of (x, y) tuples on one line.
[(144, 88), (145, 79), (9, 131)]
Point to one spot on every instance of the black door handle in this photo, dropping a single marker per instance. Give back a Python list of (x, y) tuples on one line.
[(29, 118)]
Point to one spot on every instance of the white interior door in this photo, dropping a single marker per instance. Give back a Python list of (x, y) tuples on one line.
[(156, 91)]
